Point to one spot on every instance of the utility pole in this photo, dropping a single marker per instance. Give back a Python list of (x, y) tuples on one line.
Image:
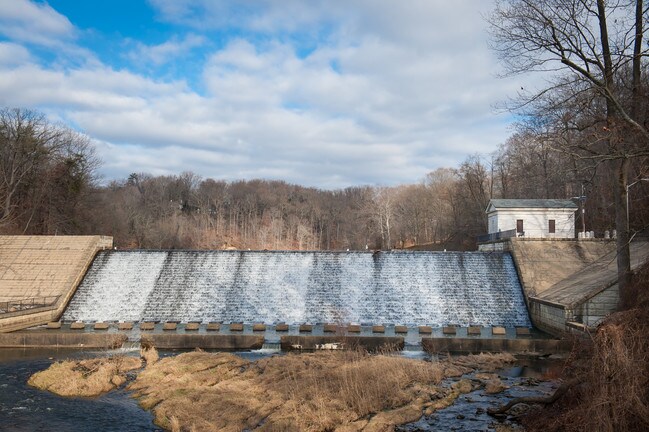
[(627, 198), (582, 209), (582, 200)]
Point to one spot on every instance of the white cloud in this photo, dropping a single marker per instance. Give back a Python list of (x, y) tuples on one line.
[(31, 22), (166, 51), (388, 94), (98, 91), (13, 54)]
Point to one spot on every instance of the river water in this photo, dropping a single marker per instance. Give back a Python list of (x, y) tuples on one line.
[(23, 408)]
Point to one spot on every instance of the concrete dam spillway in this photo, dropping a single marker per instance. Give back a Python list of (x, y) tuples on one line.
[(412, 288)]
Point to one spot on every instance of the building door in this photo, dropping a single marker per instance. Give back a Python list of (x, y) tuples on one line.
[(519, 225), (551, 227)]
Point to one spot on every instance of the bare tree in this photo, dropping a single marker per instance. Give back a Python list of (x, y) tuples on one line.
[(383, 207), (26, 141), (46, 174), (589, 45)]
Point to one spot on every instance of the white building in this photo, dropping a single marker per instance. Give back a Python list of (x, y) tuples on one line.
[(536, 218)]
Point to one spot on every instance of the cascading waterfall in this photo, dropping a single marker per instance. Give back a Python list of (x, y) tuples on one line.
[(412, 288)]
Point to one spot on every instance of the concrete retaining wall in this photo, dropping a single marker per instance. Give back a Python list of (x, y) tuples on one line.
[(370, 343), (595, 309), (56, 339), (475, 345), (60, 339), (203, 341), (549, 317)]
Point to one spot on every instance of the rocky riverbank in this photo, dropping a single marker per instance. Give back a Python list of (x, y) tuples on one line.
[(346, 391)]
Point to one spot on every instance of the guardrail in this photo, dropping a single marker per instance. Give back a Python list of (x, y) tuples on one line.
[(500, 235), (27, 304)]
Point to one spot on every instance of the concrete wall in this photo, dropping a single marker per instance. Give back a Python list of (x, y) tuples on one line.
[(464, 345), (203, 341), (558, 320), (571, 283), (495, 246), (43, 268), (535, 222), (541, 263), (370, 343), (548, 317), (477, 345), (56, 339), (595, 309)]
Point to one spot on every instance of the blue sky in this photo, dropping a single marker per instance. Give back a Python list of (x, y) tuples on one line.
[(320, 93)]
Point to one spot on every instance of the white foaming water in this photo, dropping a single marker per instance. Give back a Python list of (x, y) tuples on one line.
[(119, 281), (413, 288)]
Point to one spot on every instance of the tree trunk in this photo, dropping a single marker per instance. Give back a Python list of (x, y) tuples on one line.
[(621, 165), (637, 59)]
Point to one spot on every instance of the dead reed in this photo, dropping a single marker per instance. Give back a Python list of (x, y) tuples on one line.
[(342, 390)]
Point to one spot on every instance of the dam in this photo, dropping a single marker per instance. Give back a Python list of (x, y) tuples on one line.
[(410, 288), (67, 291)]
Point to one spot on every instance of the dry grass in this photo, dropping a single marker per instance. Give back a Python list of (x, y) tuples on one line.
[(347, 391), (84, 377), (341, 390), (149, 354), (613, 372)]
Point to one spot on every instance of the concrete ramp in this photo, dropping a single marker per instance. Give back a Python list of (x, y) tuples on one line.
[(595, 278), (571, 284), (39, 274), (587, 296), (542, 263)]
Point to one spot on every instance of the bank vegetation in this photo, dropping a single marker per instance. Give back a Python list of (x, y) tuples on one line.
[(341, 390), (605, 382)]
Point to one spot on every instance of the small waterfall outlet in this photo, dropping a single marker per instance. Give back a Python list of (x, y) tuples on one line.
[(411, 288)]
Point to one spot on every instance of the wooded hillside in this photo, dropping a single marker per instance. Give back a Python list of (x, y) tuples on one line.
[(49, 186)]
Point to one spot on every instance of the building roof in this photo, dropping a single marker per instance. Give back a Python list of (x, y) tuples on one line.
[(495, 204)]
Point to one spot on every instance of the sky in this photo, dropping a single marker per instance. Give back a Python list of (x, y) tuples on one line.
[(322, 93)]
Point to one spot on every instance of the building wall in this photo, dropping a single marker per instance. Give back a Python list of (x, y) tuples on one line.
[(535, 222), (493, 223)]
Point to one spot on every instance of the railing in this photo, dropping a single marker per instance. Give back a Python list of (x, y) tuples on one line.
[(500, 235), (26, 304)]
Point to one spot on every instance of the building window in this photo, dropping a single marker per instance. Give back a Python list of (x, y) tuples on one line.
[(551, 226), (519, 225)]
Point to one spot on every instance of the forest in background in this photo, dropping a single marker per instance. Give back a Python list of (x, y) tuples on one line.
[(50, 186), (583, 135)]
